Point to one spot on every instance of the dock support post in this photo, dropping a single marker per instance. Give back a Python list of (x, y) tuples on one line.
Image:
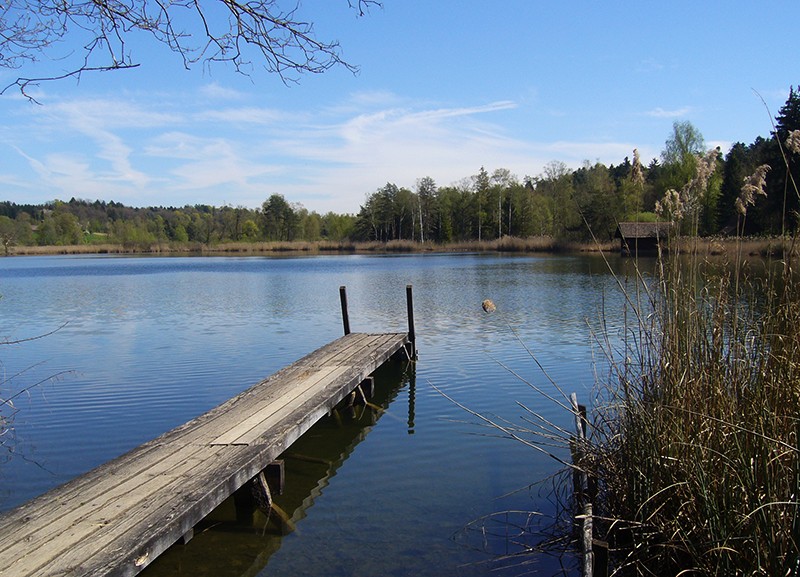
[(345, 317), (411, 335), (276, 476)]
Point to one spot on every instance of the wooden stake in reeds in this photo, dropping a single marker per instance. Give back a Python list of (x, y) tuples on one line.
[(582, 499)]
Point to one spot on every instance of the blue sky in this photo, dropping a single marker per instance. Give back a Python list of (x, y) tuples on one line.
[(444, 88)]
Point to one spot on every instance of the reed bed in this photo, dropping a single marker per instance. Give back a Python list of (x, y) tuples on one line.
[(716, 246), (694, 436), (695, 439), (737, 247)]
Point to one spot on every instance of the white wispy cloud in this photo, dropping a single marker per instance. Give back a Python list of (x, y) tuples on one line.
[(649, 65), (104, 128), (664, 113), (248, 115), (141, 152), (345, 160), (215, 91)]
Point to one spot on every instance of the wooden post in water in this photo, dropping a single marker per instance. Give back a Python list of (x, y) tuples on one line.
[(345, 318), (584, 513), (411, 336)]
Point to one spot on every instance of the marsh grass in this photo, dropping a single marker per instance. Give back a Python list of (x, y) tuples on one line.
[(711, 246), (694, 436)]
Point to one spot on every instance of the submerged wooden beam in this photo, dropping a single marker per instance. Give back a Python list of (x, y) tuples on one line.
[(116, 519)]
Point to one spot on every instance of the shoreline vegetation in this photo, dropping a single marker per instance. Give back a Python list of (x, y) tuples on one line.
[(694, 441), (693, 445), (764, 247)]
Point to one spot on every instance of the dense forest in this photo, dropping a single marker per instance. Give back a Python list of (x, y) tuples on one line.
[(560, 203)]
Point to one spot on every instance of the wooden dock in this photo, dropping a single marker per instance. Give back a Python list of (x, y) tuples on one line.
[(116, 519)]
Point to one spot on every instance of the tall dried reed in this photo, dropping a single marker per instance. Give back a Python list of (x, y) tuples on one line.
[(695, 435)]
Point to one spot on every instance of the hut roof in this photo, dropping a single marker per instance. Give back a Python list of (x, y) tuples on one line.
[(633, 230)]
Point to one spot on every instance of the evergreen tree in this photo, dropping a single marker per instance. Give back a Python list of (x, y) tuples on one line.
[(740, 162), (777, 213), (481, 186)]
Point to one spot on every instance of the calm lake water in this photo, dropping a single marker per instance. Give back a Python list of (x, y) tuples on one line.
[(142, 345)]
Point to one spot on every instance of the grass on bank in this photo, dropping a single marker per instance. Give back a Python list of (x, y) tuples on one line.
[(711, 246), (505, 244)]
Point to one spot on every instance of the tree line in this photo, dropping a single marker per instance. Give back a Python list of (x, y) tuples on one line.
[(560, 203)]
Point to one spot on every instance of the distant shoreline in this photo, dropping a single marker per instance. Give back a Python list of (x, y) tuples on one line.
[(715, 246), (506, 244)]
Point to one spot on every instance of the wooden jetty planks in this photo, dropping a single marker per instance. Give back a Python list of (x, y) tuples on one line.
[(117, 518), (266, 414)]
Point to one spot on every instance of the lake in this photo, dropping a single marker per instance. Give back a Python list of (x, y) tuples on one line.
[(134, 346)]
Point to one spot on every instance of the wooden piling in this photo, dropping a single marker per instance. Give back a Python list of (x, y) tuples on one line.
[(276, 476), (412, 338), (345, 317)]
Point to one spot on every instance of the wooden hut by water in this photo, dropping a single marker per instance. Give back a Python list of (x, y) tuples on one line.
[(641, 237)]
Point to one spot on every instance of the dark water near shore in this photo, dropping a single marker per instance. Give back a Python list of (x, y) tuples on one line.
[(145, 344)]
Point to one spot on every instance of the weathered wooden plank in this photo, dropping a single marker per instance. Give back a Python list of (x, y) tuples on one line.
[(117, 518), (240, 407), (120, 544), (31, 532), (266, 414)]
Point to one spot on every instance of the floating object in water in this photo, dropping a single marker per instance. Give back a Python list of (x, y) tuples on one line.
[(488, 306)]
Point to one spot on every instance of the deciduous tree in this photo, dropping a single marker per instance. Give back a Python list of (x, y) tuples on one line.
[(679, 157)]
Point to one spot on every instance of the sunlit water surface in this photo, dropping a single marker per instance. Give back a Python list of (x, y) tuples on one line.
[(142, 345)]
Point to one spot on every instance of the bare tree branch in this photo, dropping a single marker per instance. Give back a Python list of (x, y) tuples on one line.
[(242, 33)]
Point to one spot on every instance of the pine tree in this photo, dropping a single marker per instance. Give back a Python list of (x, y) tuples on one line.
[(779, 211)]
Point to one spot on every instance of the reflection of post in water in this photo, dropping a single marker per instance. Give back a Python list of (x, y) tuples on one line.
[(411, 374), (245, 526)]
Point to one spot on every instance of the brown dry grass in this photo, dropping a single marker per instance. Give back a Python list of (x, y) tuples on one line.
[(713, 246), (744, 247), (695, 441)]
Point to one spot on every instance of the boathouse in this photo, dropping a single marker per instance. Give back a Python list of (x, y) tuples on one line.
[(641, 237)]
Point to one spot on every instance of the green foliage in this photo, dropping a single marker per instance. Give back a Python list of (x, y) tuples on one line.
[(131, 233), (598, 198), (278, 221), (740, 161), (481, 188), (680, 154), (58, 229), (338, 227), (645, 217), (250, 232), (15, 232), (782, 202), (560, 202)]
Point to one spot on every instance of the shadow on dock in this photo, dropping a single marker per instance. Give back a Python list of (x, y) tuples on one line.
[(238, 538)]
